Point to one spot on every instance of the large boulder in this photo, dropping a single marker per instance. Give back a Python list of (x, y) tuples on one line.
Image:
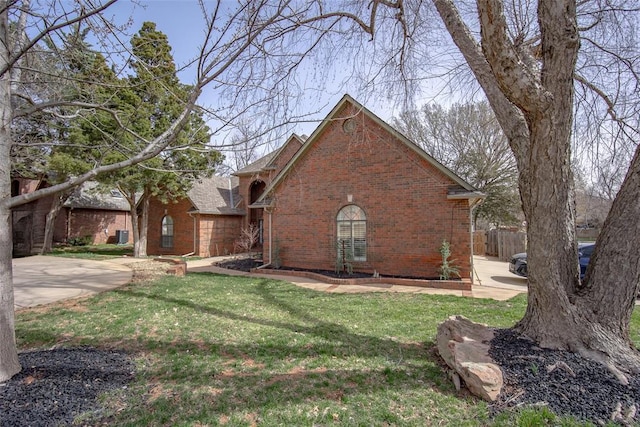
[(464, 346)]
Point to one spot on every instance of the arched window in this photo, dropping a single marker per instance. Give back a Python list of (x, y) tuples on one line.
[(352, 233), (166, 239)]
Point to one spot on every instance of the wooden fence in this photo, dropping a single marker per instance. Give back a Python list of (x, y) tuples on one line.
[(499, 243), (479, 242)]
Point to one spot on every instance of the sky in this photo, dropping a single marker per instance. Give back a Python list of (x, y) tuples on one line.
[(183, 24)]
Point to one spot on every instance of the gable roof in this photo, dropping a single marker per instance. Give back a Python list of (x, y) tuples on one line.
[(267, 161), (460, 190), (218, 195)]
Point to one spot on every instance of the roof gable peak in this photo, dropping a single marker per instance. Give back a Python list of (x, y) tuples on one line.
[(334, 115)]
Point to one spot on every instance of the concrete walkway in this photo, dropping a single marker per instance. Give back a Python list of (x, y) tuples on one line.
[(45, 279)]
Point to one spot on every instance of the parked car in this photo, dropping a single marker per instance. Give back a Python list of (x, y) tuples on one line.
[(518, 263)]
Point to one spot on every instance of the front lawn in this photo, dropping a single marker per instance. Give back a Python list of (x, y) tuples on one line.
[(222, 350)]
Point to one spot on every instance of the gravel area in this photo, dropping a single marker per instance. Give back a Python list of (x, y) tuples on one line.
[(565, 382), (57, 385)]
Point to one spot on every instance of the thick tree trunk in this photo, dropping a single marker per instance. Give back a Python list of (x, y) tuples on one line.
[(52, 215), (534, 107), (9, 364)]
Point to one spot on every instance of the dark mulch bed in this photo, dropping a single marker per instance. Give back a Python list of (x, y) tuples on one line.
[(246, 264), (55, 386), (579, 387), (240, 264)]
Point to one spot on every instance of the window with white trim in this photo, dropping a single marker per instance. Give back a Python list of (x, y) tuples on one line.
[(352, 233), (166, 235)]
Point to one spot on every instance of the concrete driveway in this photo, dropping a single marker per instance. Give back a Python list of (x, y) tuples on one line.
[(492, 273), (45, 279)]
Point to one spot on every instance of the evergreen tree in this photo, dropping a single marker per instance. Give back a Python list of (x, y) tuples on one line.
[(157, 98), (83, 140)]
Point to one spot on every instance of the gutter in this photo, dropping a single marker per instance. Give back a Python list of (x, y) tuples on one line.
[(474, 205), (195, 235), (269, 212)]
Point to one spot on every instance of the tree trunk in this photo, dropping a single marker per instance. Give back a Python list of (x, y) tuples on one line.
[(144, 226), (534, 106), (9, 363), (139, 223), (135, 225), (52, 215)]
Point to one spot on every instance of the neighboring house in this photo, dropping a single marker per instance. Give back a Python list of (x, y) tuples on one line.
[(86, 214), (105, 217), (205, 223), (358, 186)]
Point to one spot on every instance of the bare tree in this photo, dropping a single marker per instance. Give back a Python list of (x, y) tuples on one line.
[(233, 44), (527, 73), (247, 144), (467, 139), (527, 60)]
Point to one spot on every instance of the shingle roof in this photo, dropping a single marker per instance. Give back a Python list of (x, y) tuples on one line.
[(265, 162), (258, 165), (87, 196), (218, 195)]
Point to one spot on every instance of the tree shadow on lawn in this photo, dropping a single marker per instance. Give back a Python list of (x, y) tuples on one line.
[(246, 382), (219, 378)]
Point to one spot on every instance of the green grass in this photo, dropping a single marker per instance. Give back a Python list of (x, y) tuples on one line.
[(96, 252), (221, 350)]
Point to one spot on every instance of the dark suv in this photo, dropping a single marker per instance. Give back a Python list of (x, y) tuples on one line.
[(518, 263)]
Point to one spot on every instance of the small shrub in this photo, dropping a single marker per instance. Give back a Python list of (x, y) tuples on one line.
[(81, 241), (448, 268), (248, 238), (344, 260)]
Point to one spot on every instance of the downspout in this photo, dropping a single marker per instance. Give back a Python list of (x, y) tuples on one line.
[(195, 235), (268, 211), (474, 205)]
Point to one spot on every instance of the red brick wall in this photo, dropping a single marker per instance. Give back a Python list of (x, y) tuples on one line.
[(214, 234), (285, 155), (183, 227), (218, 234), (100, 224), (403, 196)]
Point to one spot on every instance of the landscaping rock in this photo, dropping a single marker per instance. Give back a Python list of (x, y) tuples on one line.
[(464, 346)]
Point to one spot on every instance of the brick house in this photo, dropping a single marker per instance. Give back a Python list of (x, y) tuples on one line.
[(205, 223), (86, 214), (358, 186)]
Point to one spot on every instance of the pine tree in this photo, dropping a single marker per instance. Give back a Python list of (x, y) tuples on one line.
[(156, 100)]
